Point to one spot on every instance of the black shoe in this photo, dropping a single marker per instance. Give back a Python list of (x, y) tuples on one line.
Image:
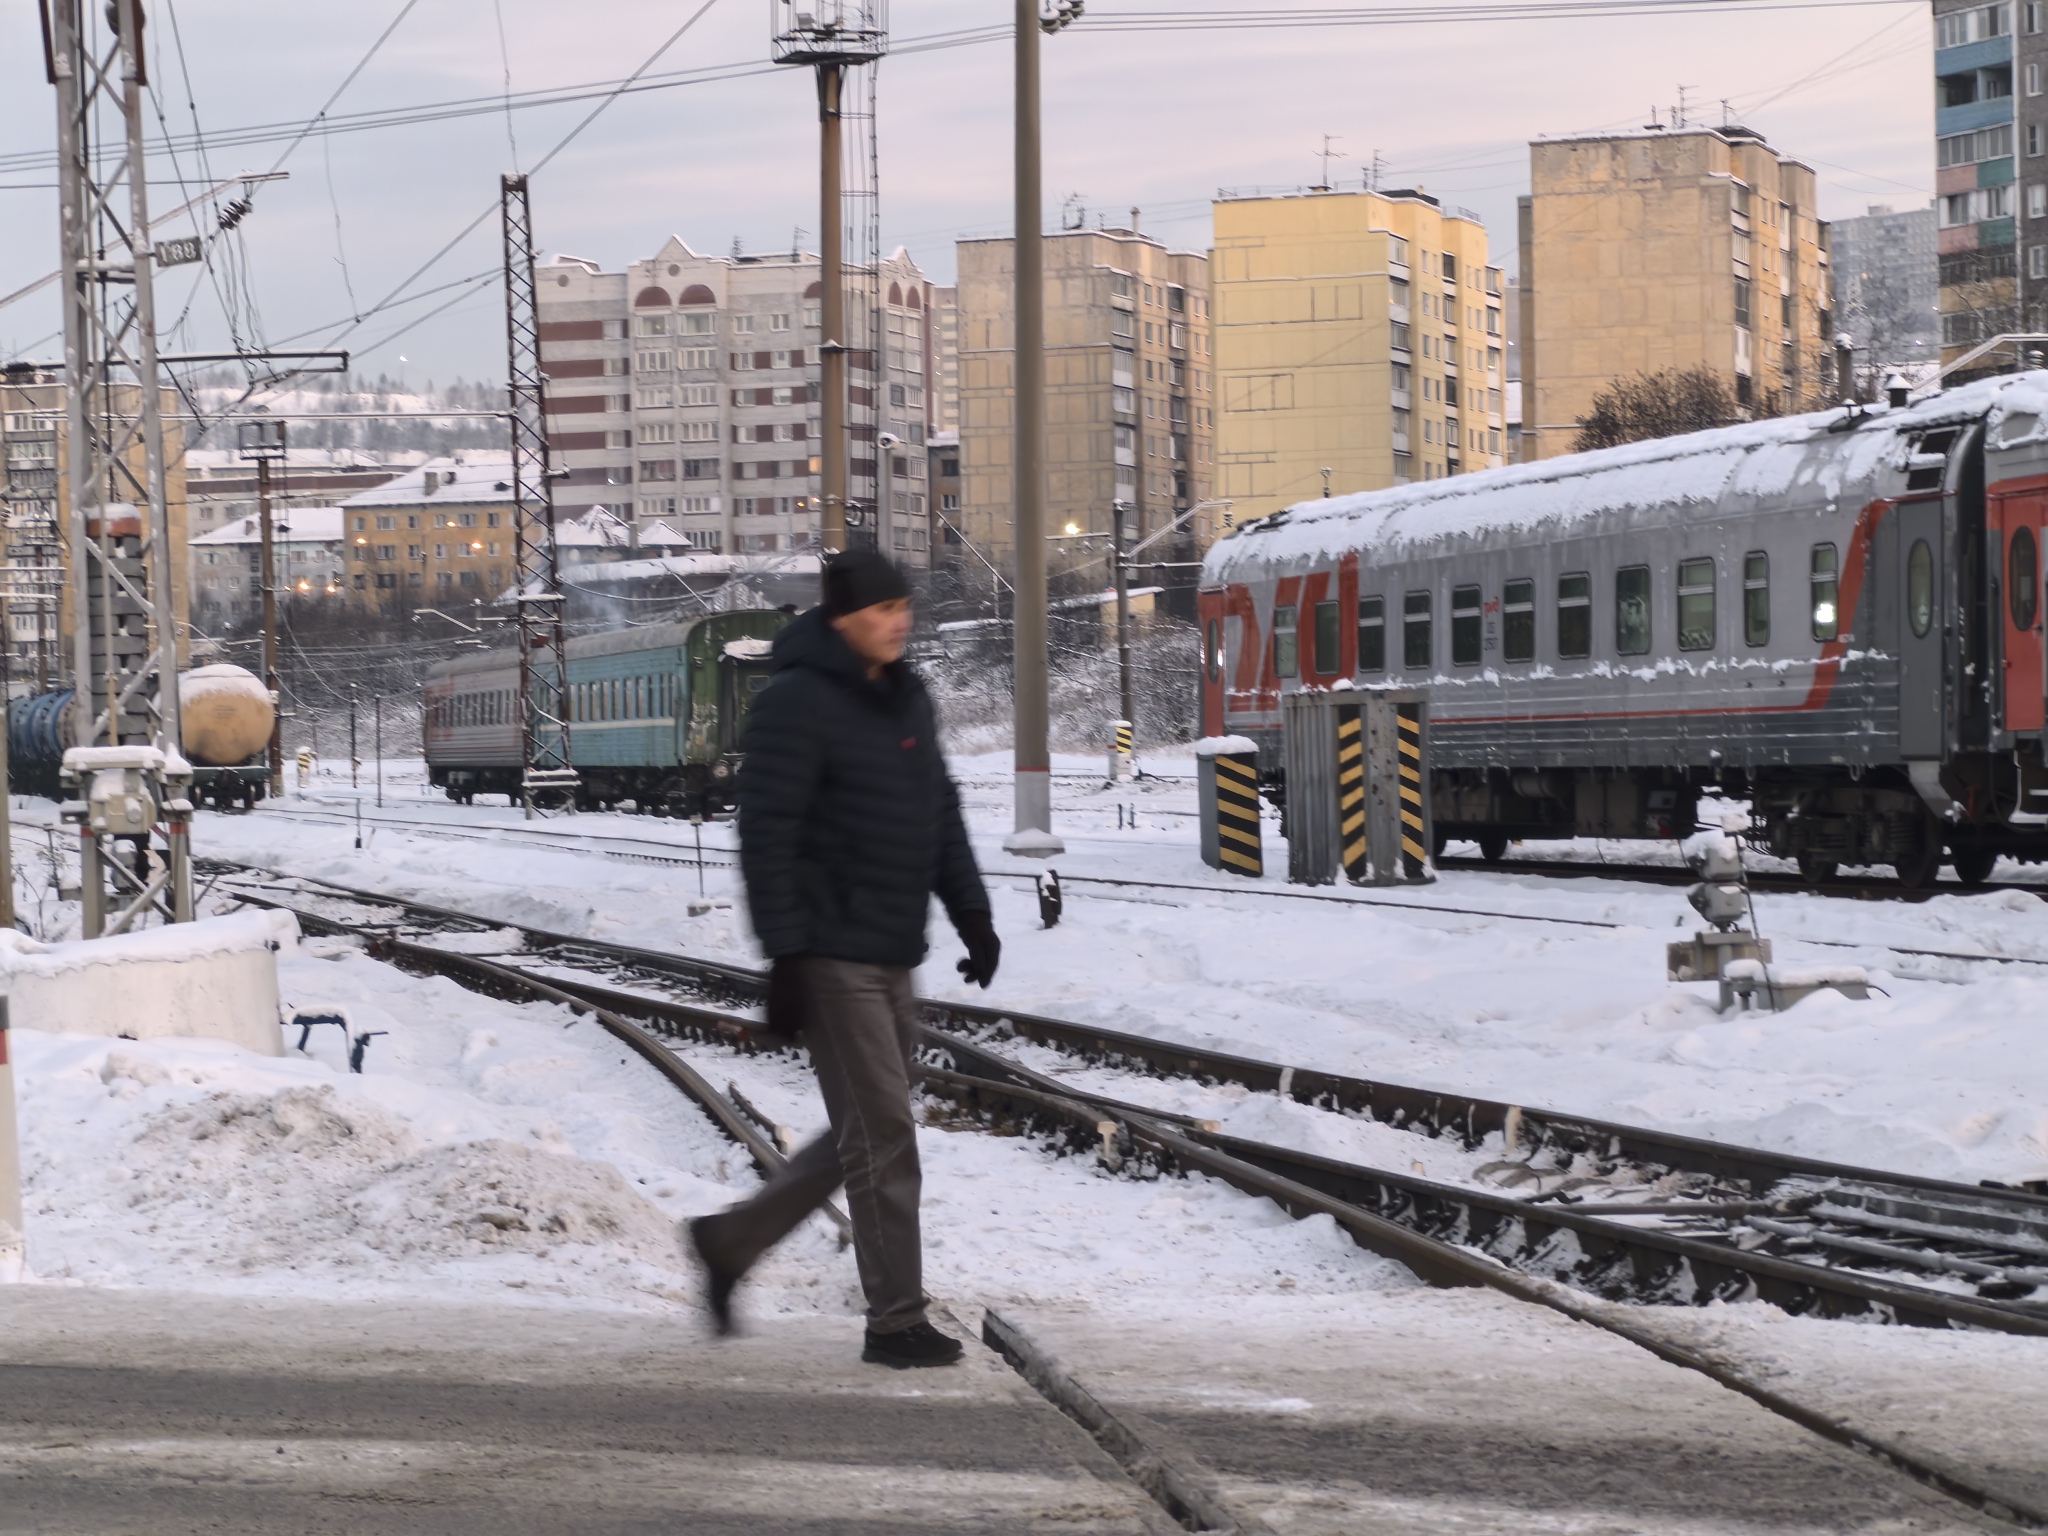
[(919, 1344), (718, 1281)]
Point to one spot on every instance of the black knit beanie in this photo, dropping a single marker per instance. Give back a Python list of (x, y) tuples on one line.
[(860, 578)]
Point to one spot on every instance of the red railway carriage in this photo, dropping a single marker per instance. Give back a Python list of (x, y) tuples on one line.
[(1836, 616)]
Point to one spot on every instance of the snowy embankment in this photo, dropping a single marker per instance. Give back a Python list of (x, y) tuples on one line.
[(494, 1151), (1940, 1072)]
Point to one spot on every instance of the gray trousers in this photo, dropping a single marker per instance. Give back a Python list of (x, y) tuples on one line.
[(860, 1024)]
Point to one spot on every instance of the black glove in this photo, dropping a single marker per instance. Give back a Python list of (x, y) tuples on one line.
[(786, 999), (984, 949)]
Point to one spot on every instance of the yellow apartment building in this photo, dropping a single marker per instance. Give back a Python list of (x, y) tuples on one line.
[(1129, 394), (1669, 249), (1358, 345)]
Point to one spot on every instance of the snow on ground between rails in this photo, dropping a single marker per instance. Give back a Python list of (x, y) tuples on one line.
[(508, 1151), (1939, 1077)]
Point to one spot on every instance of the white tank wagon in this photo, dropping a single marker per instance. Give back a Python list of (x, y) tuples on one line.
[(1837, 616), (224, 720)]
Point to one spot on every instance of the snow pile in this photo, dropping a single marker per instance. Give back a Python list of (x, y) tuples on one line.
[(305, 1177)]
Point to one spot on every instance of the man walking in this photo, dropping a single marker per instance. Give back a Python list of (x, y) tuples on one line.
[(848, 826)]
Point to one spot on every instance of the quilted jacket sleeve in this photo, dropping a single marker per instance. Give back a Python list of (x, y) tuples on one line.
[(958, 885), (779, 779)]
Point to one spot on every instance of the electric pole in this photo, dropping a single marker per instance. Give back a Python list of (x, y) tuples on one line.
[(1118, 532), (855, 32), (1033, 836), (264, 442)]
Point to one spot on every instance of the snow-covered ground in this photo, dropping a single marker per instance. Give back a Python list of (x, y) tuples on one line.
[(1938, 1072), (503, 1155)]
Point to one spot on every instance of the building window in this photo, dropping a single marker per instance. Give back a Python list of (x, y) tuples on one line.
[(1756, 598), (1824, 590), (385, 522), (2030, 14), (1415, 646), (651, 325), (2037, 141), (1742, 302), (1372, 634), (2033, 79)]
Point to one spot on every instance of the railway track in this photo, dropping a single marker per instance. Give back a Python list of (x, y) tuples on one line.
[(1857, 888), (1623, 1211), (1584, 1212), (660, 852)]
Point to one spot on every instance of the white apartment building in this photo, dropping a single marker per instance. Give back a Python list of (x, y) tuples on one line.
[(227, 565), (684, 391)]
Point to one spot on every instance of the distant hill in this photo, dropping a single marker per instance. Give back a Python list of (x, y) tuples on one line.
[(376, 433)]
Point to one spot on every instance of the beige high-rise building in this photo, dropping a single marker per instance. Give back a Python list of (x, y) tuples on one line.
[(1128, 390), (1358, 344), (1648, 251)]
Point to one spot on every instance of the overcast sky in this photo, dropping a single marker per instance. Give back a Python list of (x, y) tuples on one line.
[(1157, 119)]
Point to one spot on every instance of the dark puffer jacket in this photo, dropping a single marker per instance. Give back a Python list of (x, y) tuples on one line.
[(848, 822)]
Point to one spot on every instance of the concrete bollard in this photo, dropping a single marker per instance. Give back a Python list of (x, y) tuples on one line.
[(1227, 782), (13, 1230)]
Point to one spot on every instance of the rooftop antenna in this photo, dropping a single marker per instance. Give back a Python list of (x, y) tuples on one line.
[(1377, 171), (1656, 123), (796, 242), (1681, 105), (1327, 154), (1727, 116), (1073, 212)]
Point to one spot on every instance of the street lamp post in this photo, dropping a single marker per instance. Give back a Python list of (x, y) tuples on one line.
[(1033, 836)]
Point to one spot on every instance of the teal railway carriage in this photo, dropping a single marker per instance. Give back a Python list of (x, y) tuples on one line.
[(655, 714)]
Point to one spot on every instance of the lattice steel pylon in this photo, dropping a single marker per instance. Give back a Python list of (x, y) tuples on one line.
[(131, 781), (547, 774)]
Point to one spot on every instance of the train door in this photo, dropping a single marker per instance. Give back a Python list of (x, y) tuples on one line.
[(2017, 521), (1921, 611), (1209, 613)]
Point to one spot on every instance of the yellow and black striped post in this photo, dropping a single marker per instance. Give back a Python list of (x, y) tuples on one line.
[(1237, 813), (1351, 837), (1123, 737), (1414, 829)]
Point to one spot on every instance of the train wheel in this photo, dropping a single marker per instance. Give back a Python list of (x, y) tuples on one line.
[(1973, 865), (1493, 846), (1815, 870), (1919, 866)]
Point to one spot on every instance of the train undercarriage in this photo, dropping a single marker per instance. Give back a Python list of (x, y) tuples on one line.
[(1821, 818), (693, 789)]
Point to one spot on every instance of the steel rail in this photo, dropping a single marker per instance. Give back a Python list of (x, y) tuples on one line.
[(1431, 1111), (1177, 1144), (1611, 1259)]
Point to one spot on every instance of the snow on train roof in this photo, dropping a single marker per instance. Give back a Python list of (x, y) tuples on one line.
[(1703, 469)]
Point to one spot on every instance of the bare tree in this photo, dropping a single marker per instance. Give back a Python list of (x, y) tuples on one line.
[(1647, 405)]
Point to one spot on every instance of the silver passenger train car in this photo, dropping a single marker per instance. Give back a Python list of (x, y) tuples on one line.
[(1837, 616)]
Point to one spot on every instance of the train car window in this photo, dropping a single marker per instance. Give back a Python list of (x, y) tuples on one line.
[(1286, 642), (1825, 587), (1696, 605), (1632, 610), (1415, 650), (2023, 578), (1919, 589), (1212, 649), (1325, 641), (1372, 634), (1464, 626), (1575, 614), (1518, 620), (1756, 598)]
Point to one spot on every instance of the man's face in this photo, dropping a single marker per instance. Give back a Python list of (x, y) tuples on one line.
[(877, 632)]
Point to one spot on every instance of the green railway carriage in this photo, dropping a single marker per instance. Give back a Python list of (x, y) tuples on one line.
[(655, 714)]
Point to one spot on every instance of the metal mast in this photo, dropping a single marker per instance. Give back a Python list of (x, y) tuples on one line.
[(836, 37), (130, 777), (547, 777)]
